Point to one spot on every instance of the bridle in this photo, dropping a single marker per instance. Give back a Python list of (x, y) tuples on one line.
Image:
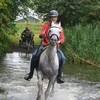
[(53, 34)]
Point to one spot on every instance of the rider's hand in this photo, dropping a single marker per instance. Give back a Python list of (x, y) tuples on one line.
[(42, 36), (59, 41)]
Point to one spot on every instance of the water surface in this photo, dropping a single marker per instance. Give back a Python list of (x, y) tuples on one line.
[(13, 67)]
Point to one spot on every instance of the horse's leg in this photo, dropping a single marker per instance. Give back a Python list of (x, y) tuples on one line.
[(40, 85), (53, 86), (51, 81), (28, 45)]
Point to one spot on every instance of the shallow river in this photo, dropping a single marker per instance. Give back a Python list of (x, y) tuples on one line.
[(13, 67)]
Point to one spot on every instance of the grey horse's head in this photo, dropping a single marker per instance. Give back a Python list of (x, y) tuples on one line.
[(54, 33)]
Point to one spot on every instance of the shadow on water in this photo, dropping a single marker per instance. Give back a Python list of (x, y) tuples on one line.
[(13, 67)]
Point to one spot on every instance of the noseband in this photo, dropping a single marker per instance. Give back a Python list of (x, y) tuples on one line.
[(54, 34)]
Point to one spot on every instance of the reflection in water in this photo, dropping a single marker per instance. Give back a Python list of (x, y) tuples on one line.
[(13, 67)]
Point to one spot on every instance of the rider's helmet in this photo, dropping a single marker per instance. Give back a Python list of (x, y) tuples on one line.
[(26, 28), (53, 13)]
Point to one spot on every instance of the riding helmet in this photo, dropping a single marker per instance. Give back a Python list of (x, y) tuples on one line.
[(53, 13)]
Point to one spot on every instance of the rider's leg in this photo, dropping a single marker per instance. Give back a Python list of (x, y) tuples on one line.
[(60, 70), (33, 64)]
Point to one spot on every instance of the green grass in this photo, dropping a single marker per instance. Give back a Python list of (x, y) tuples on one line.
[(83, 41)]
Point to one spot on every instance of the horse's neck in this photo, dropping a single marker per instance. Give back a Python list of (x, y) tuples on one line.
[(51, 51)]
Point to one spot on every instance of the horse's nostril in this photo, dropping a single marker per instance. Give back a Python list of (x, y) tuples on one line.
[(55, 40)]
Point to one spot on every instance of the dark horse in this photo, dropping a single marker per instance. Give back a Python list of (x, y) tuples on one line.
[(27, 38)]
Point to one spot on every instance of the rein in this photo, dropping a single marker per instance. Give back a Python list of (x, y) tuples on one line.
[(54, 34)]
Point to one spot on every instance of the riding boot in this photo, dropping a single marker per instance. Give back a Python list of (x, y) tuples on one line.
[(29, 76), (59, 78), (34, 65)]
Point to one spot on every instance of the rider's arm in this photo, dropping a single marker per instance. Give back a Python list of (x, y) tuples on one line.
[(42, 33), (62, 38)]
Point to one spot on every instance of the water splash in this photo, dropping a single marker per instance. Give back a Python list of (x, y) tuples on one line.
[(15, 65)]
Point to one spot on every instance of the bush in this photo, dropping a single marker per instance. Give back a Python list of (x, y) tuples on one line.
[(5, 43)]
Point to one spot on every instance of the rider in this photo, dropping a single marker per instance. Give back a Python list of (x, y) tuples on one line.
[(26, 34), (44, 35)]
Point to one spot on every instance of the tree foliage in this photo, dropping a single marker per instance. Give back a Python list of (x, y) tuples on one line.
[(71, 12), (83, 41), (9, 9)]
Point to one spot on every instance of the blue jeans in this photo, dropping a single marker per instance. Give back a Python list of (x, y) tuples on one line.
[(63, 59), (41, 47), (35, 53)]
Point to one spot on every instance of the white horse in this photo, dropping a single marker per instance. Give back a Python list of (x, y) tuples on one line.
[(49, 62)]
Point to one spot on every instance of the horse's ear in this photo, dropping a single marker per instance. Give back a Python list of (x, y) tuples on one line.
[(52, 24), (59, 24)]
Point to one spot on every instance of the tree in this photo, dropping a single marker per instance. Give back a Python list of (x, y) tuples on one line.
[(9, 9), (71, 12)]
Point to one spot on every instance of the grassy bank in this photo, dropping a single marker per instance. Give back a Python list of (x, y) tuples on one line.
[(83, 41)]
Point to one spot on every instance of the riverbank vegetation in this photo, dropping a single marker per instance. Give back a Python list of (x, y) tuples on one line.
[(5, 44), (83, 44)]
